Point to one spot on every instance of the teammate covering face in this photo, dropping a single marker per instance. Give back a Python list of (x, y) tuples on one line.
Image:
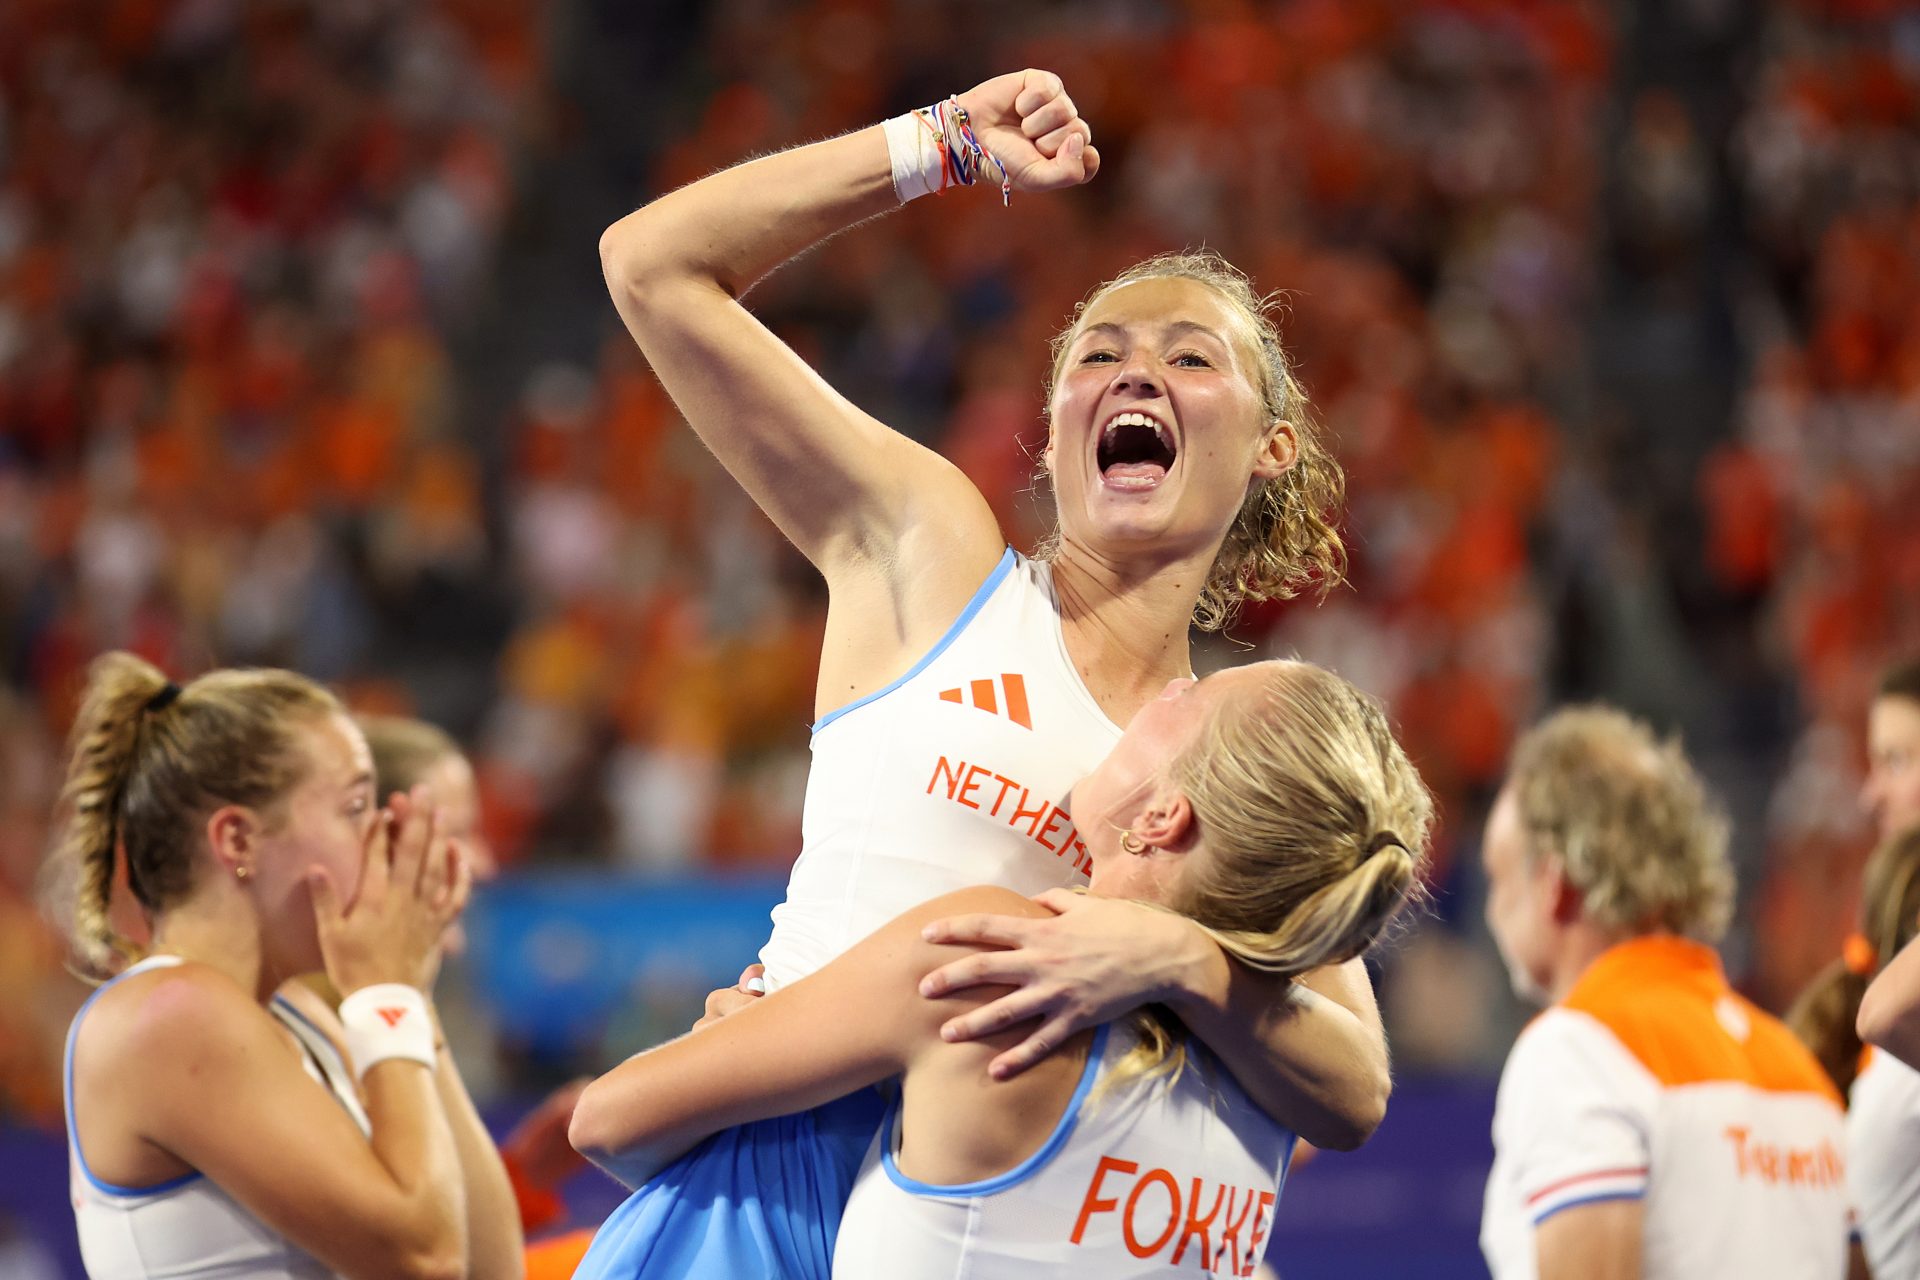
[(244, 805), (964, 688)]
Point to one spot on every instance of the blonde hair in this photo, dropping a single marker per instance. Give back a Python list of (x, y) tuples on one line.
[(1283, 537), (144, 768), (1826, 1014), (1640, 838), (1313, 821), (404, 750)]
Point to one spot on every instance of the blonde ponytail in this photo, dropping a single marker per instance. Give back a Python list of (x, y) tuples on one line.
[(103, 746), (1311, 820), (147, 760)]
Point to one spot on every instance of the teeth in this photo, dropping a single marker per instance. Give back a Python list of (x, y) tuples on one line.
[(1137, 420)]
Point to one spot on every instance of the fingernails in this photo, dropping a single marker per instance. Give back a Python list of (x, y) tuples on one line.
[(949, 1033), (758, 986), (930, 987), (932, 933)]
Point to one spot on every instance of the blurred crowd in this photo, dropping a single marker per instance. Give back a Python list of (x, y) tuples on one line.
[(245, 249)]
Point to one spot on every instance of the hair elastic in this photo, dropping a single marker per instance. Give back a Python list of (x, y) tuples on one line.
[(1383, 840), (1860, 956), (165, 698)]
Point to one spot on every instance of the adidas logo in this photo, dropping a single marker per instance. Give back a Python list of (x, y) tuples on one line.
[(986, 696)]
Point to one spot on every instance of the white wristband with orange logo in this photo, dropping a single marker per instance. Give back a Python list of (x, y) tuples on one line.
[(387, 1020)]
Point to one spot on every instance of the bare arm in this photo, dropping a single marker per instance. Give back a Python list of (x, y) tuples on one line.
[(496, 1249), (1312, 1054), (1592, 1242), (1890, 1011), (847, 490), (786, 1052), (391, 1207)]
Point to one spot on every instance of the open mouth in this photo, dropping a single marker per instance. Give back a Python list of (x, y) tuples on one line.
[(1135, 448)]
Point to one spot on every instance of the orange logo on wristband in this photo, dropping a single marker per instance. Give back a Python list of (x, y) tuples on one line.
[(392, 1015)]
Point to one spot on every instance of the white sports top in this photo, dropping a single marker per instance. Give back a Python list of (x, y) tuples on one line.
[(954, 775), (188, 1228), (1653, 1081), (1155, 1179), (1883, 1164)]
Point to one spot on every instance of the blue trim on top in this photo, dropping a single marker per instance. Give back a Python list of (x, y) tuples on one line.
[(281, 1002), (1000, 571), (73, 1132), (1597, 1198), (1020, 1172)]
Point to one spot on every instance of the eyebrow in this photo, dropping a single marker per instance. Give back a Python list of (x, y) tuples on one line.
[(1172, 327)]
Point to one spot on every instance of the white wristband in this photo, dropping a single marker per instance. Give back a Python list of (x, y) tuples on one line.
[(914, 151), (387, 1020)]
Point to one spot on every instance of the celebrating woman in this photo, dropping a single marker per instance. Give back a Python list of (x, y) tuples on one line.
[(1269, 805), (963, 687)]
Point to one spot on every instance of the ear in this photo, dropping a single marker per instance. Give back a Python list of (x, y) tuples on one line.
[(1167, 822), (1278, 452), (233, 834), (1568, 903)]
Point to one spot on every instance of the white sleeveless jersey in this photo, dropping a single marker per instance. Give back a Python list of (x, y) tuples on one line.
[(188, 1228), (1155, 1179), (954, 775), (1883, 1165)]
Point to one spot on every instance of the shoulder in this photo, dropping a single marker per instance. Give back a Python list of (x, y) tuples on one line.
[(183, 1026), (168, 1010), (1567, 1059)]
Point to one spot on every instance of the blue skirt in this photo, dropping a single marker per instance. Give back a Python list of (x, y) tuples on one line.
[(764, 1199)]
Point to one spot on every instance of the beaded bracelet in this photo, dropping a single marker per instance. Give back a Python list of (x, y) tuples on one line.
[(938, 140)]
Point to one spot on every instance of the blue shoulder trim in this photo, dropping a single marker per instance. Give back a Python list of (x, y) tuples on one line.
[(953, 633), (73, 1132), (281, 1002), (1020, 1172)]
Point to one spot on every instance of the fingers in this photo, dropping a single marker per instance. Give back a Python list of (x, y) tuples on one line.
[(1055, 113), (376, 872), (1036, 88), (417, 830), (985, 968), (1060, 901), (326, 905), (1049, 145), (462, 889), (1009, 1010), (1054, 1033), (993, 931), (753, 980)]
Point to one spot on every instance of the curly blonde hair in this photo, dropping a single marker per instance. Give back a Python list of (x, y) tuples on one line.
[(1630, 819), (1283, 538)]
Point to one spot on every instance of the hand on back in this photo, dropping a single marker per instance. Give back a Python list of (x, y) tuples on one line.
[(414, 883)]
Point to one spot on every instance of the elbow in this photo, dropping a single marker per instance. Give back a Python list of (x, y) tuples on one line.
[(622, 261), (1357, 1116), (448, 1263), (1875, 1021), (599, 1130)]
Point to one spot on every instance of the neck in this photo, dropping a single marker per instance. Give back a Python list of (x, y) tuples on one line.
[(1580, 945), (1126, 624), (218, 929)]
